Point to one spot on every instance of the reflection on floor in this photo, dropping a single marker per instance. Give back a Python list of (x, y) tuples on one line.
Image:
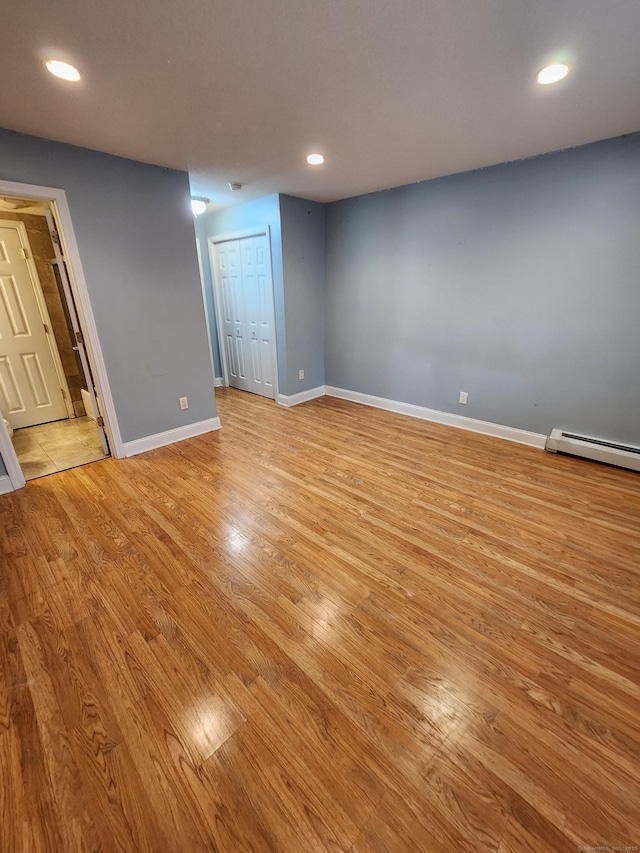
[(47, 448)]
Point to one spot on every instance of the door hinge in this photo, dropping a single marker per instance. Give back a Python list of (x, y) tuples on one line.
[(79, 337), (55, 237), (46, 329), (24, 253), (100, 421), (64, 393)]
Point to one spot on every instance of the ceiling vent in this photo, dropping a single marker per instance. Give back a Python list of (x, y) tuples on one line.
[(622, 455), (235, 186)]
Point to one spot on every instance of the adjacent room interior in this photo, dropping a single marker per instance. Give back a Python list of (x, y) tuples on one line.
[(320, 435), (47, 408)]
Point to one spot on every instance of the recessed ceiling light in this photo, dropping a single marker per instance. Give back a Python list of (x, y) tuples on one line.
[(62, 70), (553, 73), (199, 205), (315, 159)]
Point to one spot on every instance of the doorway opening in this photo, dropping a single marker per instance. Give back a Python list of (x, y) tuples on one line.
[(245, 311), (48, 399)]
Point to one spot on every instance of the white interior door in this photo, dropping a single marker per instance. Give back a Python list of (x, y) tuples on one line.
[(231, 308), (258, 301), (30, 391), (244, 303)]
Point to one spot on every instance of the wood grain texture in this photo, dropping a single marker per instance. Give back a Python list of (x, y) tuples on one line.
[(322, 628)]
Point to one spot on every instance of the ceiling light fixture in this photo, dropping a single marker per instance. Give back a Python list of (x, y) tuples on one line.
[(315, 159), (198, 205), (62, 70), (553, 73)]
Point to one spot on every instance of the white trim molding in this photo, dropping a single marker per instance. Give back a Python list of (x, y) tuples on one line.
[(520, 436), (302, 397), (218, 382), (87, 322), (170, 436), (6, 485), (10, 459), (227, 236)]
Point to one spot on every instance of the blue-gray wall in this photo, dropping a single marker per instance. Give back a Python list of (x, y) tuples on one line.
[(297, 258), (519, 284), (303, 261), (136, 239)]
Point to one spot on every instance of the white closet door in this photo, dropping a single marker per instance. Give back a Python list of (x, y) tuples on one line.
[(30, 390), (229, 271), (252, 313), (245, 300), (258, 296)]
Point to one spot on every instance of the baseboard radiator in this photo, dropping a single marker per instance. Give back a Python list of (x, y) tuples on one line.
[(622, 455)]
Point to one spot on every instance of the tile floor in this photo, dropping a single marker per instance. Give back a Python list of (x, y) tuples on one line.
[(47, 448)]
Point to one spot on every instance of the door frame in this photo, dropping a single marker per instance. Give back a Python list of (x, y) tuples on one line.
[(217, 294), (57, 199), (42, 307), (206, 309)]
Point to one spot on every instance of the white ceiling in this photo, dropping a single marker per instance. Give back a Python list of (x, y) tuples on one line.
[(391, 93)]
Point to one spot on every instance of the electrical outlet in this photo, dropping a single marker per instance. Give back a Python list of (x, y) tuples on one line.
[(184, 403), (463, 397), (301, 374)]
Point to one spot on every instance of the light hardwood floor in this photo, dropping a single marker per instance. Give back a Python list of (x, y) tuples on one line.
[(323, 628)]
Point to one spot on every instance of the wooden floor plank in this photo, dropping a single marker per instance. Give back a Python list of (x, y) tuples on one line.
[(321, 628)]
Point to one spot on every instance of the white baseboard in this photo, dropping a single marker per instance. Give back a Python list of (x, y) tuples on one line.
[(170, 436), (521, 436), (302, 397), (6, 485), (218, 382)]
